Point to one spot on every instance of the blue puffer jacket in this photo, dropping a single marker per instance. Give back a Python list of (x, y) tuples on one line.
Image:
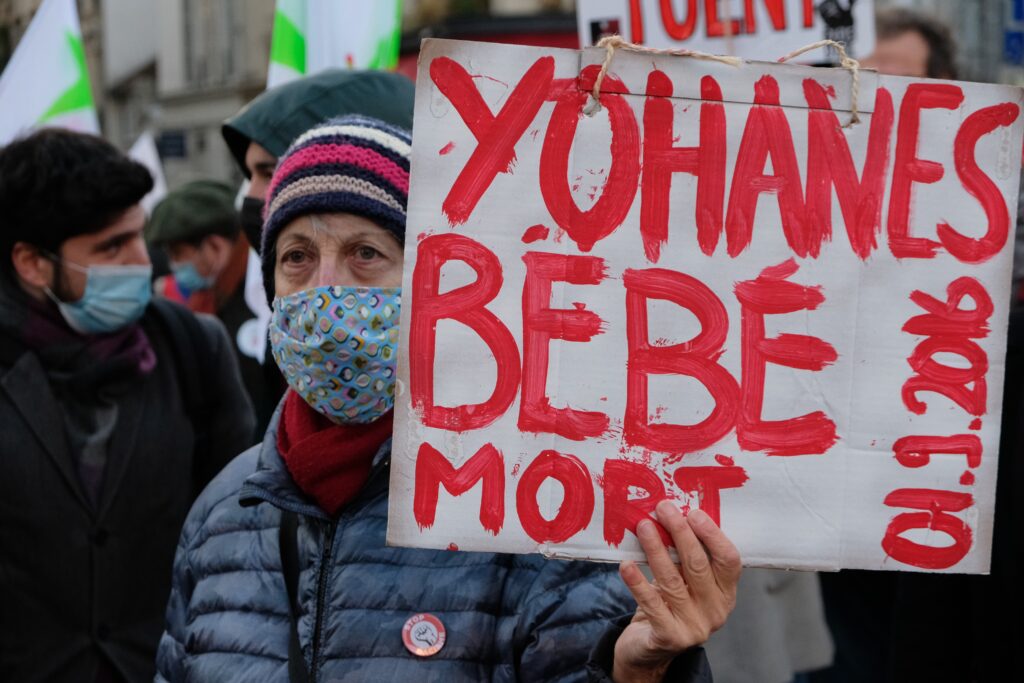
[(507, 617)]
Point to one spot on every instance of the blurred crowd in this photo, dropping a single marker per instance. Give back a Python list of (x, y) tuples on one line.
[(135, 541)]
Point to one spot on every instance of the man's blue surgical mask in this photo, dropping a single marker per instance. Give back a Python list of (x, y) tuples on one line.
[(115, 297), (188, 278)]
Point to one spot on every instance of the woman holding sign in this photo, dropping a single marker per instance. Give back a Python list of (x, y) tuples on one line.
[(281, 571)]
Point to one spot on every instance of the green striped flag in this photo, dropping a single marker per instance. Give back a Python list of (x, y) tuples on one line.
[(46, 83), (312, 35)]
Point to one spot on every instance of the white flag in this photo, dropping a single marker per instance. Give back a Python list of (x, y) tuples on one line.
[(46, 83), (144, 151), (312, 35)]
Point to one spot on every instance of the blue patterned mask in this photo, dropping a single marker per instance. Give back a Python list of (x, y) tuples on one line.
[(337, 348)]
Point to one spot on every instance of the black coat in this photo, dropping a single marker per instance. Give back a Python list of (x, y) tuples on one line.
[(263, 381), (83, 584)]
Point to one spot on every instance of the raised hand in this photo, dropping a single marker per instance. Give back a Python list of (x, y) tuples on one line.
[(686, 603)]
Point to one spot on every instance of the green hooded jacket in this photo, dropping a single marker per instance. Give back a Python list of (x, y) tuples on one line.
[(279, 115)]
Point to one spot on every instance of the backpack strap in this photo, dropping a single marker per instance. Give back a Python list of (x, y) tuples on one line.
[(288, 543), (194, 363)]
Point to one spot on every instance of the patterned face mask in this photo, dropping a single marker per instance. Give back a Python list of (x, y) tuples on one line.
[(337, 348)]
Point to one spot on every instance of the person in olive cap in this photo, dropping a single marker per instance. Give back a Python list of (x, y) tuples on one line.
[(262, 131), (198, 227)]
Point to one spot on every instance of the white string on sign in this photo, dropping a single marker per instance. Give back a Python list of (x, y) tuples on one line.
[(613, 43), (845, 62)]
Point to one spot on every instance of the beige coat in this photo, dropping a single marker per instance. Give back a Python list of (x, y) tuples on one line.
[(777, 630)]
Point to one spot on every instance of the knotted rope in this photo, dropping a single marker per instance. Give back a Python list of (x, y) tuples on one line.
[(613, 43)]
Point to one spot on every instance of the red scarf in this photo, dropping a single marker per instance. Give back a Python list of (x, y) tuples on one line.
[(329, 462)]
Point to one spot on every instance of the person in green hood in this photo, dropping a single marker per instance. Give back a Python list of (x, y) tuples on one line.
[(261, 132), (263, 129)]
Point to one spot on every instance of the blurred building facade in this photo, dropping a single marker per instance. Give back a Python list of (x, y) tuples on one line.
[(180, 67), (175, 67), (211, 58)]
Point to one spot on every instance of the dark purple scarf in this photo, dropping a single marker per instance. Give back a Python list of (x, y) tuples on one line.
[(80, 363)]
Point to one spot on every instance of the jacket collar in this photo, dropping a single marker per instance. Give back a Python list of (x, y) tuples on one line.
[(272, 483), (28, 387)]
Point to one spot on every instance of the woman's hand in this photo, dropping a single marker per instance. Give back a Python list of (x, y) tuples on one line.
[(687, 601)]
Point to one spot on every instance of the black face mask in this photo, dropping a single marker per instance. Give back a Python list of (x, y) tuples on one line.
[(252, 220)]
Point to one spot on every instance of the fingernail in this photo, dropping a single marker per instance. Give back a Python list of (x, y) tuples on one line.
[(665, 507), (698, 516), (645, 526)]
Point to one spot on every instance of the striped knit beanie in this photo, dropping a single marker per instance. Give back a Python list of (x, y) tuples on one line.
[(351, 164)]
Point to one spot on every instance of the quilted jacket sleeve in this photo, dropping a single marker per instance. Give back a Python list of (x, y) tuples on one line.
[(170, 656), (171, 653), (564, 615), (572, 617)]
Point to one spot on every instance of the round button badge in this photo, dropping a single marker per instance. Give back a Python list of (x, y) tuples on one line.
[(423, 635)]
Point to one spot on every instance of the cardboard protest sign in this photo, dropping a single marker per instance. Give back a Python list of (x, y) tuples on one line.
[(709, 290), (754, 29)]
